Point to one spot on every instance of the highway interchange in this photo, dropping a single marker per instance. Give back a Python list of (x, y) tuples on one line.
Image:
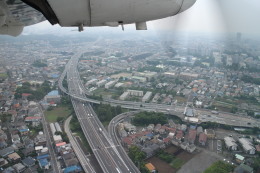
[(110, 155)]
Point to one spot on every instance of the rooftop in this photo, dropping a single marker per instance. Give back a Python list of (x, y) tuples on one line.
[(53, 93), (72, 169), (150, 166)]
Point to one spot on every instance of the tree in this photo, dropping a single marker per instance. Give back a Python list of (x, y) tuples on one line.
[(136, 154), (234, 109)]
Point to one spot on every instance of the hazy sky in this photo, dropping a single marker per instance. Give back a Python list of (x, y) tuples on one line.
[(215, 16)]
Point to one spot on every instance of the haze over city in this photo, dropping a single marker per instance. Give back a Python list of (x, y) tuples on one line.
[(181, 97)]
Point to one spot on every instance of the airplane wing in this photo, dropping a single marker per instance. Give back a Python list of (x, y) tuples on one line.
[(91, 13), (15, 14)]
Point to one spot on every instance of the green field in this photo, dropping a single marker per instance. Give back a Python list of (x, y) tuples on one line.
[(219, 167), (3, 76), (177, 163), (61, 111)]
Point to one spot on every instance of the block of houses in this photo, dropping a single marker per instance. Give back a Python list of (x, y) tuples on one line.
[(19, 167), (243, 168)]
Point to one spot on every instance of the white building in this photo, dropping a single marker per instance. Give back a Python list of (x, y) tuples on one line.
[(247, 145), (110, 84), (135, 93), (101, 83), (119, 84), (91, 82), (230, 143), (124, 95), (147, 96)]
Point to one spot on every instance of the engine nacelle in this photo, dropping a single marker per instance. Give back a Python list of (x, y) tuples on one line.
[(108, 12)]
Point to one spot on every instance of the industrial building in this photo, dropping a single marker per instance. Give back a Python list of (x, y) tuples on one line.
[(247, 145), (147, 96), (57, 126), (230, 143), (53, 129)]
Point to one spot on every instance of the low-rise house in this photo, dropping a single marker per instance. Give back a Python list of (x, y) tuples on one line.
[(57, 139), (14, 157), (184, 145), (16, 139), (40, 139), (239, 158), (243, 169), (175, 142), (28, 143), (191, 148), (19, 167), (3, 162), (202, 139), (210, 133), (122, 133), (24, 130), (32, 119), (192, 136), (150, 127), (3, 135), (3, 144), (199, 130), (9, 170), (179, 135), (44, 163), (151, 149), (6, 151), (129, 127), (72, 169), (28, 161), (230, 143), (150, 167), (157, 128), (28, 151)]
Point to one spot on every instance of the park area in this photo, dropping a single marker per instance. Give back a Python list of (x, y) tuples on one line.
[(57, 113), (170, 160)]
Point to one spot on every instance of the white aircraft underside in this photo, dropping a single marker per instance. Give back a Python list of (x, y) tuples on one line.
[(15, 14)]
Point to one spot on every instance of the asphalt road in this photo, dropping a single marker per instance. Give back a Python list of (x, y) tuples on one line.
[(109, 157), (54, 163), (84, 161)]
